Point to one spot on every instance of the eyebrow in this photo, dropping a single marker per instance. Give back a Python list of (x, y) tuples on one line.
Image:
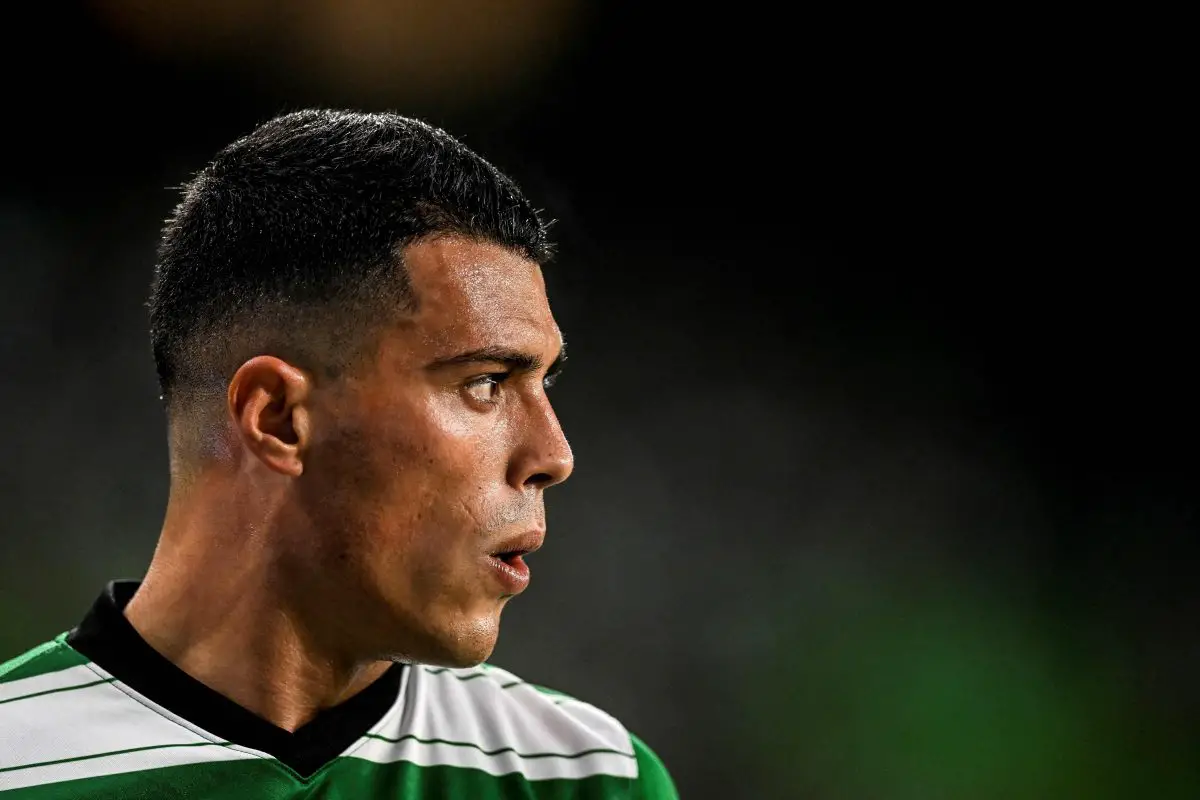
[(516, 360)]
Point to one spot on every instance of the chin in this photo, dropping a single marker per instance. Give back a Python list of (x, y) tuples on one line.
[(466, 644), (459, 656)]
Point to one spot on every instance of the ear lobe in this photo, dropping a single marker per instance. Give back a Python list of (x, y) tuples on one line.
[(268, 402)]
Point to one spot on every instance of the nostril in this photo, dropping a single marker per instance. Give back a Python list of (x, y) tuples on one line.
[(540, 480)]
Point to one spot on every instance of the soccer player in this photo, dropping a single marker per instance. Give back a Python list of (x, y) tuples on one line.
[(354, 343)]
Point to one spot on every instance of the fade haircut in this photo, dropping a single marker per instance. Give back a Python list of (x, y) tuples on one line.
[(289, 242)]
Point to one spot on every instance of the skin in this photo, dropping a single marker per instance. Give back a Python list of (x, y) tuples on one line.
[(334, 527)]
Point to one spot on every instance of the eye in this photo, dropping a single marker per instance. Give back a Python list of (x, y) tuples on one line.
[(486, 388)]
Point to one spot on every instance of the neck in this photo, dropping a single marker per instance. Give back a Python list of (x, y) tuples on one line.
[(214, 603)]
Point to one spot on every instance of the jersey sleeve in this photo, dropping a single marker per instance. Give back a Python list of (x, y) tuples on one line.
[(653, 782)]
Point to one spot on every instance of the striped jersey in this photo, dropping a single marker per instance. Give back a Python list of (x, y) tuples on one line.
[(97, 713)]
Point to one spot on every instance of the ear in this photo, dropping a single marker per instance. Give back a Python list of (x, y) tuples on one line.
[(268, 400)]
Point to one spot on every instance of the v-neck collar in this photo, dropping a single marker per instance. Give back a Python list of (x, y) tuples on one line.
[(107, 638)]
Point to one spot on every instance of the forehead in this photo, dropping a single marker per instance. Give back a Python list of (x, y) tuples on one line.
[(477, 294)]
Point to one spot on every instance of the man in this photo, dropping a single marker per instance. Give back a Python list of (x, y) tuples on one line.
[(354, 343)]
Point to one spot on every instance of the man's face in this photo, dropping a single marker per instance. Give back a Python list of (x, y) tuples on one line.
[(430, 462)]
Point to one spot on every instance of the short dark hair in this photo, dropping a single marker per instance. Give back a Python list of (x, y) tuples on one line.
[(289, 241)]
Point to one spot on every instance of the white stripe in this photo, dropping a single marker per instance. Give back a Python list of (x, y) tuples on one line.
[(84, 722), (169, 715), (62, 679), (114, 765), (437, 704), (534, 769), (548, 718)]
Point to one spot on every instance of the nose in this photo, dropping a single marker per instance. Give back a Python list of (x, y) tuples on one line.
[(542, 457)]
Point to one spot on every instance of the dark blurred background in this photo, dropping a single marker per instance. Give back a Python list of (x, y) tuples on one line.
[(881, 351)]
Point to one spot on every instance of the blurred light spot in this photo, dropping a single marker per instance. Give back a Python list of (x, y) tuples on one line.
[(451, 52)]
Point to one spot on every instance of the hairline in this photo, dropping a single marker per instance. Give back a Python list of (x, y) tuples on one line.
[(226, 330)]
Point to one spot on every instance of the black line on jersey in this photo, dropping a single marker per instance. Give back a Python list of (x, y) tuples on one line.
[(419, 740), (56, 691)]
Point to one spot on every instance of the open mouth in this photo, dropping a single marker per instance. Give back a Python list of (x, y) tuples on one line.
[(511, 569), (508, 560), (509, 556)]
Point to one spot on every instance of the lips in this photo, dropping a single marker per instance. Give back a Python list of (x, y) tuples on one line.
[(507, 563), (517, 546)]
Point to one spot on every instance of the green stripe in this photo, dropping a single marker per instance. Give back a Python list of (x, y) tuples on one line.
[(347, 778), (510, 685), (56, 691), (112, 753), (355, 779), (541, 690), (52, 656), (413, 738), (470, 677), (242, 779), (654, 782), (440, 670)]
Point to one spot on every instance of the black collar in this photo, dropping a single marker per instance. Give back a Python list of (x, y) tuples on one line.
[(108, 639)]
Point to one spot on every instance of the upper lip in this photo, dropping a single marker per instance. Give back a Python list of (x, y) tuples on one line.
[(519, 544)]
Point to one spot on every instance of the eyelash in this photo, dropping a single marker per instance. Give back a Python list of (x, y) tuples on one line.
[(500, 377)]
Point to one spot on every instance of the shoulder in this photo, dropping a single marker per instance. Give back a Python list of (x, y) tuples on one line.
[(40, 677), (488, 718), (47, 696), (63, 718), (654, 782), (49, 657)]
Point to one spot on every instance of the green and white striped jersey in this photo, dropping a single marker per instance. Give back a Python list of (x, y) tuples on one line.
[(69, 728)]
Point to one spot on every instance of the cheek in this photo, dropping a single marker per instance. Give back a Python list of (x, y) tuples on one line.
[(417, 476), (463, 446)]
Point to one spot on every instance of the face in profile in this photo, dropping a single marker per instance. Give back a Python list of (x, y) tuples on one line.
[(427, 468)]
